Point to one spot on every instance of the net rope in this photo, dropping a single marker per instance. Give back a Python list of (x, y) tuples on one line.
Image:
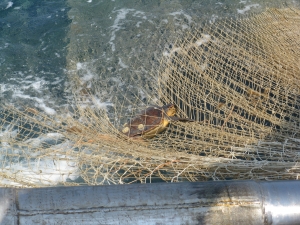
[(236, 79)]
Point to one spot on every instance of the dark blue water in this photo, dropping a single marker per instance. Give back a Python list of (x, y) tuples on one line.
[(33, 51)]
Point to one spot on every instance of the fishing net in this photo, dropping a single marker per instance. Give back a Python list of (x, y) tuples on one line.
[(236, 80)]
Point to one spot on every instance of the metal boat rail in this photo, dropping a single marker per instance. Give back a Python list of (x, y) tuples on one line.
[(218, 202)]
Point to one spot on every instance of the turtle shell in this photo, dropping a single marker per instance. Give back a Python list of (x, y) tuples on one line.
[(148, 123)]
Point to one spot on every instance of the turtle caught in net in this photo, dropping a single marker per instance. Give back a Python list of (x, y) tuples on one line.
[(152, 121)]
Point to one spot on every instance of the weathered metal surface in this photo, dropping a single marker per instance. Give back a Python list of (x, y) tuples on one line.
[(281, 202), (8, 211), (230, 202)]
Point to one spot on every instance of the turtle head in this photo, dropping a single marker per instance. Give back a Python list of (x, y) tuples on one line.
[(170, 109)]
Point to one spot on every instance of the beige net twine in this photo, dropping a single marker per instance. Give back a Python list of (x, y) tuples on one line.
[(235, 84)]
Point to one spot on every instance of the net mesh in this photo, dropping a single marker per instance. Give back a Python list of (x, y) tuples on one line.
[(236, 79)]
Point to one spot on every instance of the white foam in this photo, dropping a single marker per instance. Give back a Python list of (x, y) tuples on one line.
[(47, 109), (142, 93), (3, 88), (9, 4), (44, 171), (79, 66), (88, 75), (205, 38), (189, 18), (173, 50), (7, 134), (118, 25), (213, 18), (164, 21), (247, 8), (102, 105), (138, 24), (46, 138), (29, 84), (37, 85), (123, 65), (58, 80), (5, 46), (184, 26), (50, 168), (140, 14), (40, 102), (117, 81)]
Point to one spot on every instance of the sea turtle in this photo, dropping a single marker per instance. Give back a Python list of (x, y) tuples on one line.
[(151, 121)]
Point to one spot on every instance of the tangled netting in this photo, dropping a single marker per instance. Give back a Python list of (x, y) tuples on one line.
[(237, 79)]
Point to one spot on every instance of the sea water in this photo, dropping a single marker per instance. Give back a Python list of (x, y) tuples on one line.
[(43, 41)]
